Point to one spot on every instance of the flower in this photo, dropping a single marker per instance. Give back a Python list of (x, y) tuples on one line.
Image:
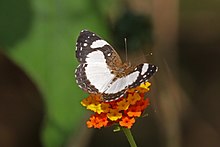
[(127, 122), (87, 101), (145, 86), (105, 107), (143, 103), (97, 121), (91, 122), (134, 111), (123, 112), (132, 99), (114, 114), (95, 107), (123, 104)]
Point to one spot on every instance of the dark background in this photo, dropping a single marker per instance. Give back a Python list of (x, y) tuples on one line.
[(40, 101)]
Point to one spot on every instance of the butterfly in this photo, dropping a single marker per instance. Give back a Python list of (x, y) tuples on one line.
[(101, 70)]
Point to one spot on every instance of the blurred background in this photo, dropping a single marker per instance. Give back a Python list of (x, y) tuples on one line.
[(40, 101)]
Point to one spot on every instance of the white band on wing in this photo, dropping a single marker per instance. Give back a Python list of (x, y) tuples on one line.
[(99, 44), (97, 71)]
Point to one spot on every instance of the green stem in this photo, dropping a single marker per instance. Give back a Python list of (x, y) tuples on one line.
[(129, 136)]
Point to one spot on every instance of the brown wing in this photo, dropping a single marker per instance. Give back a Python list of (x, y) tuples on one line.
[(88, 43)]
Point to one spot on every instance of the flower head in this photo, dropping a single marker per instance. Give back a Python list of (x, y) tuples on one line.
[(114, 115), (123, 104), (133, 98), (123, 111), (127, 122), (105, 107), (97, 121), (95, 107), (134, 111)]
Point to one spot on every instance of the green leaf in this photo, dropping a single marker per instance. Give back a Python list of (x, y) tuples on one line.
[(47, 54)]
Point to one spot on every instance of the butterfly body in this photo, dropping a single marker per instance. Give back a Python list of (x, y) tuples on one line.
[(101, 70)]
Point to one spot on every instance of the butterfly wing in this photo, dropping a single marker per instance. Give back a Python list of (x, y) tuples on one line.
[(88, 42), (139, 75), (95, 55), (98, 61)]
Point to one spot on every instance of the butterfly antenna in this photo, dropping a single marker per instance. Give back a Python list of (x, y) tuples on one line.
[(126, 50)]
